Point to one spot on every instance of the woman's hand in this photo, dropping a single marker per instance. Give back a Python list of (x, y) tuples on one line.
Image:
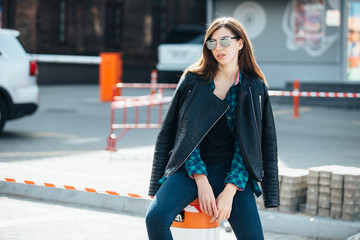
[(206, 195), (224, 202)]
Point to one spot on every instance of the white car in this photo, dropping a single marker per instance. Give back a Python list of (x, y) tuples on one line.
[(19, 92), (182, 48)]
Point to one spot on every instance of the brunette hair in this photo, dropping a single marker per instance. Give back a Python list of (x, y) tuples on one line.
[(206, 66)]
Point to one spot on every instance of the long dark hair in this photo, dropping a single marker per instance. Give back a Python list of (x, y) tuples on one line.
[(206, 67)]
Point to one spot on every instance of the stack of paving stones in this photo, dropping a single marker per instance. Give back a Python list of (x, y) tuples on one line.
[(334, 191), (337, 193), (293, 186), (312, 195), (293, 183), (351, 199), (327, 191)]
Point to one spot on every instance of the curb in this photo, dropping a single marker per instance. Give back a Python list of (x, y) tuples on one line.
[(293, 224), (89, 199), (308, 226)]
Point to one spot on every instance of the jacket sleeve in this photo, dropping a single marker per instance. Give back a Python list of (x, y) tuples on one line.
[(165, 139), (270, 181)]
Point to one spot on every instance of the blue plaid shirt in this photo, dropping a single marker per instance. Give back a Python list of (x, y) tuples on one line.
[(237, 174)]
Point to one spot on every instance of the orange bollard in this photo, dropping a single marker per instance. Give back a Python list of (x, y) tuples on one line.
[(192, 224), (296, 98), (154, 76), (110, 73)]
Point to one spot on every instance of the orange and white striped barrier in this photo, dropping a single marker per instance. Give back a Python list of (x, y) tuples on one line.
[(296, 94), (156, 98), (69, 187), (125, 102), (192, 224), (314, 94)]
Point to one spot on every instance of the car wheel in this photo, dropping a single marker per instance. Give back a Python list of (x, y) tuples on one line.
[(3, 114)]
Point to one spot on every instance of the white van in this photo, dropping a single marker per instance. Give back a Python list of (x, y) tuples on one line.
[(19, 92)]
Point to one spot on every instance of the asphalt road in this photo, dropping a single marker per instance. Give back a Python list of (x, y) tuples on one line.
[(72, 119)]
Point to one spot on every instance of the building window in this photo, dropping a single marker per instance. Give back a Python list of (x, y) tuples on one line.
[(7, 12), (114, 23), (62, 21), (160, 16)]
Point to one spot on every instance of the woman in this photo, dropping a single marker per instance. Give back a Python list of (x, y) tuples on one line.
[(217, 139)]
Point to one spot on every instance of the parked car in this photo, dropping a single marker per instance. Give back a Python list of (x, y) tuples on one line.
[(182, 48), (19, 92)]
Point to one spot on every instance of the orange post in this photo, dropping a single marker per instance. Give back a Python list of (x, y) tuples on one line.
[(296, 98), (110, 73), (153, 81)]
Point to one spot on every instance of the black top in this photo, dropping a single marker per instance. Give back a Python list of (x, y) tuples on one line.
[(217, 147)]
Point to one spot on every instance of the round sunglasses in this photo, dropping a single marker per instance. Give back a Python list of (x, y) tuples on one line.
[(224, 41)]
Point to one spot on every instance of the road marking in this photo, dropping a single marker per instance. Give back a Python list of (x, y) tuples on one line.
[(40, 154), (290, 111), (56, 135), (356, 123)]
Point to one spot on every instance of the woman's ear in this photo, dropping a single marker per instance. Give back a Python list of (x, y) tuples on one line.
[(241, 44)]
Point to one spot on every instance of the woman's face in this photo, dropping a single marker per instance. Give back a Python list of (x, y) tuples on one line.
[(226, 55)]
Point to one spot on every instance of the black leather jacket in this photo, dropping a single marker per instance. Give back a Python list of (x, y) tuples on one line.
[(194, 110)]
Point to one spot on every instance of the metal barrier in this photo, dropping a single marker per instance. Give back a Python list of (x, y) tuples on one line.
[(155, 98)]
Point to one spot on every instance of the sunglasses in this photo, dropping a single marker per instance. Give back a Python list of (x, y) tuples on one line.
[(224, 41)]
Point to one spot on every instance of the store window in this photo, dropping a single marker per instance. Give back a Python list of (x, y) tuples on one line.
[(308, 22), (114, 23), (62, 21), (353, 50)]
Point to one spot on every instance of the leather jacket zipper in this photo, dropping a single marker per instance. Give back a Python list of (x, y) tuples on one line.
[(260, 107), (200, 140), (257, 128)]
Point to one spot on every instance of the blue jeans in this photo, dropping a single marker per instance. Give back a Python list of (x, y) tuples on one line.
[(179, 190)]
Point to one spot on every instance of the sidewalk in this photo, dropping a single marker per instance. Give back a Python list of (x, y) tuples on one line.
[(28, 219), (102, 170)]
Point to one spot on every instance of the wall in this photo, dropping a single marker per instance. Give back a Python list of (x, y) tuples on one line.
[(27, 23), (280, 59)]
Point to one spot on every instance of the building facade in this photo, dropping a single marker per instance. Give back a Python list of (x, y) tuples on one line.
[(88, 27), (315, 41)]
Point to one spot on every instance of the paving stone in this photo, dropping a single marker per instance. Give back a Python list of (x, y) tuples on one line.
[(324, 200), (324, 212), (311, 210)]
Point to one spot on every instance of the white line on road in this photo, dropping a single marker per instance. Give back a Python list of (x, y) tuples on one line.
[(356, 123), (36, 154)]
